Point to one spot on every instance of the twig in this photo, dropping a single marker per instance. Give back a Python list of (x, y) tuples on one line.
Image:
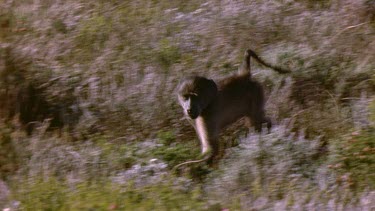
[(119, 138), (208, 156), (334, 101), (347, 28), (294, 116)]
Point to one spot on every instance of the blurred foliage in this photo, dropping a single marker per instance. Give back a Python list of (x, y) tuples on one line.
[(8, 154), (174, 155), (52, 194), (168, 54), (324, 121), (286, 155), (166, 137), (172, 151), (92, 35), (372, 111), (355, 160), (98, 62), (93, 83)]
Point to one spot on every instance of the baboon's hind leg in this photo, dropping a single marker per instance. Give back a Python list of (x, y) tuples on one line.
[(258, 125), (248, 124), (257, 119), (267, 120)]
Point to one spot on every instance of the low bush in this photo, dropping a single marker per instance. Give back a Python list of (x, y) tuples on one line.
[(54, 194)]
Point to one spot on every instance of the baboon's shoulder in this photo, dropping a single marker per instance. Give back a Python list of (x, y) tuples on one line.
[(233, 81)]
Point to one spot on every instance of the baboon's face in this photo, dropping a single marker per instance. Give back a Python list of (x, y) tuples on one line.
[(190, 104), (195, 94)]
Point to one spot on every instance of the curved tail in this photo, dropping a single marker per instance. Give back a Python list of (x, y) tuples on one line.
[(245, 67)]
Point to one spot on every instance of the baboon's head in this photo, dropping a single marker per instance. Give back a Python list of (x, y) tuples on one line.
[(195, 94)]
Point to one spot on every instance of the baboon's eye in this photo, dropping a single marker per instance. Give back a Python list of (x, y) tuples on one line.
[(193, 96), (185, 97)]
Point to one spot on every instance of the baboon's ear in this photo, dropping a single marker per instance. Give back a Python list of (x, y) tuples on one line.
[(210, 90), (213, 86)]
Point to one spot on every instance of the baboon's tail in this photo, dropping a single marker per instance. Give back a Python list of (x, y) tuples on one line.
[(246, 63), (245, 66)]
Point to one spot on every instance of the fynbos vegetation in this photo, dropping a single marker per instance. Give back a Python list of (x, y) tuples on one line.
[(89, 117)]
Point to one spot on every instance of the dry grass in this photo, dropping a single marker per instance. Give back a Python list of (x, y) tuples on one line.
[(84, 73)]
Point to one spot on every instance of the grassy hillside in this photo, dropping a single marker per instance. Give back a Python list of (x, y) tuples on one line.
[(89, 117)]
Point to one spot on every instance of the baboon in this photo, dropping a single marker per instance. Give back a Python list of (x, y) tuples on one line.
[(211, 106)]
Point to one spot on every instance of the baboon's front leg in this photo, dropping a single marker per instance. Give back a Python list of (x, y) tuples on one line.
[(202, 132), (215, 151), (208, 136)]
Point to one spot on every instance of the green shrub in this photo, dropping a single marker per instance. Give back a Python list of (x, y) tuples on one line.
[(8, 154), (168, 54), (166, 137), (59, 26), (41, 194), (176, 154), (372, 111), (92, 35), (173, 152), (52, 194), (354, 159)]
